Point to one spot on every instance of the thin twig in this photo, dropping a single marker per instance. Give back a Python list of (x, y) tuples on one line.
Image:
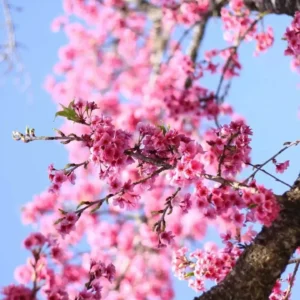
[(234, 184), (294, 260), (160, 225), (183, 36), (234, 51), (151, 175), (289, 289), (150, 160), (271, 175), (10, 47), (9, 54), (119, 280), (199, 32), (222, 157), (259, 167), (98, 203), (26, 138)]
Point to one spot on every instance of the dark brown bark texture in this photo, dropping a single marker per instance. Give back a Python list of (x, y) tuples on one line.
[(286, 7), (262, 262)]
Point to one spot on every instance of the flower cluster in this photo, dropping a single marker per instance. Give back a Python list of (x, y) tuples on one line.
[(180, 262), (207, 264), (161, 143), (189, 167), (17, 292), (67, 223), (262, 203), (127, 198), (264, 40), (184, 203), (186, 13), (98, 269), (229, 147), (93, 287), (281, 167), (292, 36), (108, 145), (258, 204), (165, 238), (236, 21), (35, 240), (58, 177)]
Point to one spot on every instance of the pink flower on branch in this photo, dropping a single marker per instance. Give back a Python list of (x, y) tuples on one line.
[(67, 223), (166, 238), (281, 167), (292, 36), (17, 292), (35, 240), (184, 203)]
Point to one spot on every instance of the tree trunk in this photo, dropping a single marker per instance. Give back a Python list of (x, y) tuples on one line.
[(262, 263), (287, 7)]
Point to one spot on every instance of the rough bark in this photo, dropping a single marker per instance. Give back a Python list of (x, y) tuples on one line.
[(286, 7), (262, 263)]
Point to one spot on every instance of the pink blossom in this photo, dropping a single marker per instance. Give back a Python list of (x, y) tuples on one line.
[(238, 219), (281, 167), (110, 272), (35, 240), (23, 274), (57, 253), (16, 292), (57, 294), (180, 262), (98, 269), (119, 201), (184, 203), (67, 224), (85, 295), (166, 238), (292, 37), (264, 40), (58, 22)]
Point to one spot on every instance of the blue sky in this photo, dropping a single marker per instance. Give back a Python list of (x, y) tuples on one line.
[(266, 94)]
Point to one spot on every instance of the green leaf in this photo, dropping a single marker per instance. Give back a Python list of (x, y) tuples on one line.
[(163, 225), (156, 212), (68, 112), (32, 132), (58, 221), (96, 208), (253, 205), (59, 132), (71, 104), (163, 128), (62, 211), (27, 130), (190, 274), (71, 165), (83, 203)]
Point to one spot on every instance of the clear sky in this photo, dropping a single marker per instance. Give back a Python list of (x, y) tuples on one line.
[(266, 94)]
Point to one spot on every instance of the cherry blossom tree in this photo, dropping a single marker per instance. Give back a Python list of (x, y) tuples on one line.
[(155, 158)]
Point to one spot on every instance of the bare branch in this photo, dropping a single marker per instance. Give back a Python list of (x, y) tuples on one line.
[(271, 175), (259, 167), (289, 289)]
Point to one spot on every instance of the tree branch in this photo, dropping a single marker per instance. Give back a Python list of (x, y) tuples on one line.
[(285, 7), (262, 263)]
